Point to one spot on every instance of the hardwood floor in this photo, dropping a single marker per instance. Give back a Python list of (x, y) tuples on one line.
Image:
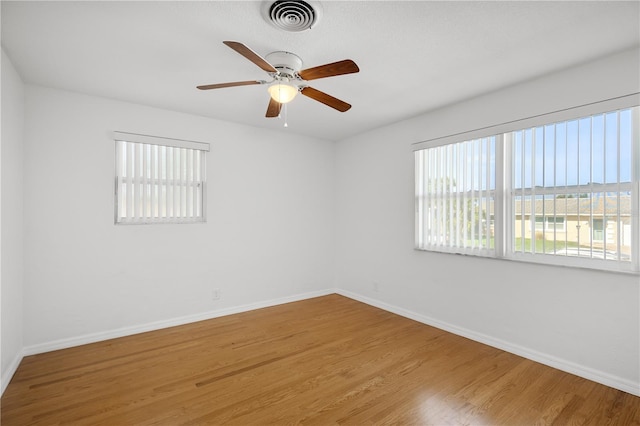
[(328, 360)]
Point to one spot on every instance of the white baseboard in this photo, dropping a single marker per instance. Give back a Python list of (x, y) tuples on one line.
[(11, 370), (606, 379), (157, 325)]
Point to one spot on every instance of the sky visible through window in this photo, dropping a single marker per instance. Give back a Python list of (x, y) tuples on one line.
[(565, 154), (576, 152)]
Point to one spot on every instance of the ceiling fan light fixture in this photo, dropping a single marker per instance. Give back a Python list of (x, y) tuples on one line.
[(282, 92)]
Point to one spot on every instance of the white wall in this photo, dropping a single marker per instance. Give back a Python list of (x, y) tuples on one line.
[(269, 233), (580, 320), (11, 248)]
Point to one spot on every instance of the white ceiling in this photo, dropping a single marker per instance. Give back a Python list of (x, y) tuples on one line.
[(414, 56)]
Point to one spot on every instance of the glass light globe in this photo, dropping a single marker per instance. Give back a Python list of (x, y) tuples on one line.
[(282, 92)]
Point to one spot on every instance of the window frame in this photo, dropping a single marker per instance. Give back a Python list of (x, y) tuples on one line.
[(195, 151), (504, 208)]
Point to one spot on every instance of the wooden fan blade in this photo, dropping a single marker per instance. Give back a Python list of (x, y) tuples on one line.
[(273, 110), (235, 83), (325, 99), (250, 55), (329, 70)]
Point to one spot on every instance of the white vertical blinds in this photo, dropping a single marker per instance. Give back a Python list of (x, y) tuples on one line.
[(576, 173), (562, 192), (455, 197), (159, 183)]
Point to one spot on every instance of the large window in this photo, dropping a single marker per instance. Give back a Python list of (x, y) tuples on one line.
[(159, 180), (558, 191)]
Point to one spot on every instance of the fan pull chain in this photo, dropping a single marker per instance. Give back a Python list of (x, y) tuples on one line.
[(285, 116)]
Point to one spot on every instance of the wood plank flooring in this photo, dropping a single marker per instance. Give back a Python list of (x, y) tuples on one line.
[(329, 360)]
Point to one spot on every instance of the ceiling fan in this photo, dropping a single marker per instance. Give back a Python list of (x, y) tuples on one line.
[(287, 78)]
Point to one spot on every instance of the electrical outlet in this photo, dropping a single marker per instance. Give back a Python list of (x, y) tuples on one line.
[(376, 287), (215, 294)]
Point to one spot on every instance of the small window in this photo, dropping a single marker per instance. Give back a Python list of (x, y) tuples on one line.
[(159, 180), (597, 229), (555, 223)]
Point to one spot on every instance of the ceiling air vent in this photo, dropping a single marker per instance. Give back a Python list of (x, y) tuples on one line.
[(292, 15)]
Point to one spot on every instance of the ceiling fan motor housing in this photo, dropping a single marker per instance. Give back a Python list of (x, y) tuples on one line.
[(292, 15), (288, 64)]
